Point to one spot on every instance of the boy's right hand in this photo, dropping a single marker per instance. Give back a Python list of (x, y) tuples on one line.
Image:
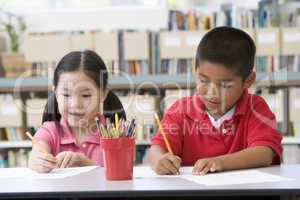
[(42, 162), (167, 164)]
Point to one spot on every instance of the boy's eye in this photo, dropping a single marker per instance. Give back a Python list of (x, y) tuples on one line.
[(226, 85), (205, 81), (86, 95)]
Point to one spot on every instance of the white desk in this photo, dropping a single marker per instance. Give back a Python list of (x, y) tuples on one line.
[(93, 185)]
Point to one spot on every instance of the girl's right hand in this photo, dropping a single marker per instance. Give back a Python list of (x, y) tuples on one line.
[(168, 164), (42, 162)]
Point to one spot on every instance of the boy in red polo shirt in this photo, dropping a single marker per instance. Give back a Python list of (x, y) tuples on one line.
[(222, 127)]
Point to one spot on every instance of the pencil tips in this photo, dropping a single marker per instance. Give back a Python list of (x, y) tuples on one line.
[(121, 128)]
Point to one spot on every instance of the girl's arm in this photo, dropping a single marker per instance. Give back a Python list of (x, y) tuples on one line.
[(41, 162), (72, 159)]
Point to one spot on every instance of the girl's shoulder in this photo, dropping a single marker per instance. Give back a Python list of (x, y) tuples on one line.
[(50, 127)]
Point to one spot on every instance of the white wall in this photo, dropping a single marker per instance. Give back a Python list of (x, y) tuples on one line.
[(106, 19)]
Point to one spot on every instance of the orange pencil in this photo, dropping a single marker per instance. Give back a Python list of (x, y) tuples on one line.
[(36, 143), (164, 134)]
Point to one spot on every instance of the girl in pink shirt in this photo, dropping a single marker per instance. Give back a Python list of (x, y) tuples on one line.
[(69, 132)]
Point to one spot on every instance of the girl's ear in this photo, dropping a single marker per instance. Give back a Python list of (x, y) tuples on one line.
[(103, 95), (54, 91), (250, 80)]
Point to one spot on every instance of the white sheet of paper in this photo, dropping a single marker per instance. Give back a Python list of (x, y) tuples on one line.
[(61, 173), (235, 177), (54, 174), (147, 172), (214, 179)]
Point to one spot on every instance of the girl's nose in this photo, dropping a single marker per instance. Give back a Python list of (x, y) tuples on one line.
[(76, 102)]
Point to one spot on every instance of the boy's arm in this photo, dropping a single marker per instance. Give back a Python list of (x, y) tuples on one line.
[(163, 162), (259, 156), (155, 152)]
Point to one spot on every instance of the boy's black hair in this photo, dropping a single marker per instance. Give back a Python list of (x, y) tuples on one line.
[(93, 66), (230, 47)]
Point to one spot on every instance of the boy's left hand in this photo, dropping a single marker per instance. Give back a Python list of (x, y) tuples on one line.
[(203, 166), (68, 159)]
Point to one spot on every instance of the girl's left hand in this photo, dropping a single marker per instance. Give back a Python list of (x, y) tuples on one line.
[(68, 159), (203, 166)]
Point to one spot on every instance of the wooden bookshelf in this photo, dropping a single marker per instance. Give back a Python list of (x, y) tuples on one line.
[(15, 144), (27, 144), (289, 140), (159, 81)]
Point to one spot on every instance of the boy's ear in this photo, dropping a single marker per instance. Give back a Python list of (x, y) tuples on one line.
[(250, 80)]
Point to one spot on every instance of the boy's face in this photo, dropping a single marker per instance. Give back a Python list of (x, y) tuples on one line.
[(219, 87)]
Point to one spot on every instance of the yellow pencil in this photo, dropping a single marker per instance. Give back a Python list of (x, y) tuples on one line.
[(117, 122), (164, 134), (36, 143)]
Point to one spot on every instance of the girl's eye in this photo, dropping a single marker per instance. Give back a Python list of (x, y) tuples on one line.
[(66, 95), (86, 95)]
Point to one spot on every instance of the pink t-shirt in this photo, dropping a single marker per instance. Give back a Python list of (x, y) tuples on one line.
[(61, 139)]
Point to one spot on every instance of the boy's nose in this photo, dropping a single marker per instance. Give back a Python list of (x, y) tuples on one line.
[(213, 90)]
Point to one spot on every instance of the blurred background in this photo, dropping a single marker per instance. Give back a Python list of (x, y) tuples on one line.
[(149, 48)]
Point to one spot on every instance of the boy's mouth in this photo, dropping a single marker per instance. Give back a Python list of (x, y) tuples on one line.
[(212, 102), (77, 115)]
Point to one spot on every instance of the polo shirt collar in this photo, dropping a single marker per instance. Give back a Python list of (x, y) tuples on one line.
[(195, 109), (242, 104)]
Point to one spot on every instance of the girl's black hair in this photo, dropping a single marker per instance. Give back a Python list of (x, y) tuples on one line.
[(93, 66)]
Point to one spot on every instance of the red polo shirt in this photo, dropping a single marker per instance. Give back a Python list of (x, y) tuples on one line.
[(192, 136)]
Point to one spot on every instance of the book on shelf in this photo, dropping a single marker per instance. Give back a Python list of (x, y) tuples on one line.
[(295, 110), (14, 158), (142, 108), (274, 99), (172, 95), (135, 52)]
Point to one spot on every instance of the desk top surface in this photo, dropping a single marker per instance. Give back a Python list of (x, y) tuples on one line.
[(93, 183)]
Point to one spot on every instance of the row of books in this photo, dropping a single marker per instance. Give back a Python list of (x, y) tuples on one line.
[(276, 102), (198, 19), (14, 158), (142, 53), (12, 134), (268, 13)]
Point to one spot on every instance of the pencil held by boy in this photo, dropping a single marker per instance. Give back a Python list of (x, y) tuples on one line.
[(69, 134), (222, 127)]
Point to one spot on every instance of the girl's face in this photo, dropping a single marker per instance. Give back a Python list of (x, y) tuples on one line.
[(79, 98), (219, 87)]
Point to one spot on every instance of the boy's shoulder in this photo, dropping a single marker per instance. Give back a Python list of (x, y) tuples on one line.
[(192, 104), (249, 103), (187, 104)]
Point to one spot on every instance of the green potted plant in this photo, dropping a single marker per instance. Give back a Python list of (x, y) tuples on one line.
[(14, 27)]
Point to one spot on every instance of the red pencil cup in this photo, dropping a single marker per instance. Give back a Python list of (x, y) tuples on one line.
[(118, 157)]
